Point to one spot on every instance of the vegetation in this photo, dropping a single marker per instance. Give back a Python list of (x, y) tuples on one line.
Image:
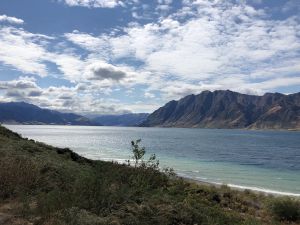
[(285, 209), (41, 184)]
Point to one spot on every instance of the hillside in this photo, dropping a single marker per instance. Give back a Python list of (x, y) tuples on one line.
[(130, 119), (24, 113), (227, 109), (44, 185)]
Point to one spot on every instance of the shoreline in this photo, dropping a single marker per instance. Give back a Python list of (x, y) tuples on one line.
[(207, 128), (241, 188), (257, 190)]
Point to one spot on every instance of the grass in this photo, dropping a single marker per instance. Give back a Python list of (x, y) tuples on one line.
[(41, 184), (285, 209)]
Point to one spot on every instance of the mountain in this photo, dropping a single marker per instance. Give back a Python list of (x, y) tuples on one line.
[(227, 109), (24, 113), (130, 119)]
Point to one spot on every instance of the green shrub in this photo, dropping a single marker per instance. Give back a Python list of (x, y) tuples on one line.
[(18, 175), (284, 208)]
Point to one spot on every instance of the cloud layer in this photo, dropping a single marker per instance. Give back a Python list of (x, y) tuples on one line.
[(202, 45), (215, 44)]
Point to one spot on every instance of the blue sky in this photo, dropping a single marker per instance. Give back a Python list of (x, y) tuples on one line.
[(113, 56)]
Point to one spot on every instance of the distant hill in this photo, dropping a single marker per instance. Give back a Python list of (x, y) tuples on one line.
[(131, 119), (24, 113), (227, 109)]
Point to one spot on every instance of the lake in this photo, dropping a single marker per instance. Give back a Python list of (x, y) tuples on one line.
[(259, 160)]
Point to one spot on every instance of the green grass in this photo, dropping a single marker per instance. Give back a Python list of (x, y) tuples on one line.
[(47, 185)]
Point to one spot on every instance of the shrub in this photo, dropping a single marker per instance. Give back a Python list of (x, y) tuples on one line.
[(17, 176), (285, 208), (138, 157)]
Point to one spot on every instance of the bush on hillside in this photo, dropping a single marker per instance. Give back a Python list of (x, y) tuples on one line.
[(17, 176), (284, 208)]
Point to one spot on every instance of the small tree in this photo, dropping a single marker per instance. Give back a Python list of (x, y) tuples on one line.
[(138, 157), (138, 152)]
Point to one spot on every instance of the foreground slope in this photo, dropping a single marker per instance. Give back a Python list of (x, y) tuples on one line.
[(41, 184), (24, 113), (227, 109)]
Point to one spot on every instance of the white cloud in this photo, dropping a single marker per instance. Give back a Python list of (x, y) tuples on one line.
[(23, 50), (167, 2), (20, 89), (21, 83), (149, 95), (71, 66), (87, 41), (274, 83), (163, 5), (163, 8), (9, 19), (141, 107), (94, 3)]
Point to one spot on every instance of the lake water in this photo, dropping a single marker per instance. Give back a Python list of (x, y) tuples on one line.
[(259, 160)]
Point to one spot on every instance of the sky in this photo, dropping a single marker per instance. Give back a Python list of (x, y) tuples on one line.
[(114, 57)]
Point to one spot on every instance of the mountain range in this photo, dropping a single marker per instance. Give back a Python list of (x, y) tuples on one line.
[(228, 109), (24, 113), (218, 109), (124, 120)]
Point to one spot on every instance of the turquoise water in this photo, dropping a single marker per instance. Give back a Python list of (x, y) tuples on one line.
[(260, 160)]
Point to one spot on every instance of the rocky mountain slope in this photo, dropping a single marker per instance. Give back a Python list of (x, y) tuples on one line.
[(227, 109)]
